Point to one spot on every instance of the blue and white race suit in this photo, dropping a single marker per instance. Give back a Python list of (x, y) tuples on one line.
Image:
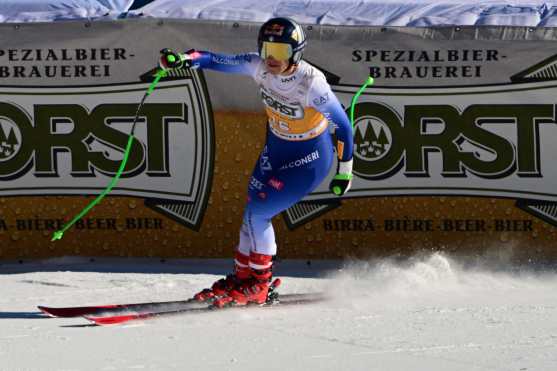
[(298, 152)]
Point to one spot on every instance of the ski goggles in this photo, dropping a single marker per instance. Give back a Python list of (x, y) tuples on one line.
[(279, 51)]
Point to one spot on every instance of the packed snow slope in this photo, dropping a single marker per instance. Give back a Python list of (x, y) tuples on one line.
[(427, 313), (413, 13)]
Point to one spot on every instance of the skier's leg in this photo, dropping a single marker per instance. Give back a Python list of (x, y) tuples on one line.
[(221, 287), (271, 192), (241, 273)]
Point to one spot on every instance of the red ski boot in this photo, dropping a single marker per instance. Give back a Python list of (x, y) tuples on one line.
[(254, 290), (223, 286)]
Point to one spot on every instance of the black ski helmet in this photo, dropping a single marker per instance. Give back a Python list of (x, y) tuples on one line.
[(283, 30)]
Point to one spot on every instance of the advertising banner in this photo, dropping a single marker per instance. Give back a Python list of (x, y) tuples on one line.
[(454, 143)]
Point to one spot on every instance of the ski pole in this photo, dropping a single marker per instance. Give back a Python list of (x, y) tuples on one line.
[(337, 190), (60, 233), (369, 81)]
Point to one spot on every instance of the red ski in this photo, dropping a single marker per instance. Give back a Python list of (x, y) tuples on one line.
[(275, 301), (115, 320), (118, 308), (115, 309), (73, 311)]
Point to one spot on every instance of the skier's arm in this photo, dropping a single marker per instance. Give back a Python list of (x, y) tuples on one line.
[(244, 64), (323, 99)]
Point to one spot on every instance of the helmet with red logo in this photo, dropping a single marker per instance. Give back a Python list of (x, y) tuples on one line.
[(283, 39)]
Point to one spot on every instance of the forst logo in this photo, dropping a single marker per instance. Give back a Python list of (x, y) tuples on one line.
[(10, 139), (468, 140), (28, 143), (295, 112), (372, 138), (72, 140)]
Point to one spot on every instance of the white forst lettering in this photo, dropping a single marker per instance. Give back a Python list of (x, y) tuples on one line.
[(295, 112)]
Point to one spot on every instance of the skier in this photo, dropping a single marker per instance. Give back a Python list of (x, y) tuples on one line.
[(297, 155)]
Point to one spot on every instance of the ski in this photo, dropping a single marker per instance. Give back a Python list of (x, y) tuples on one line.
[(116, 308), (275, 301)]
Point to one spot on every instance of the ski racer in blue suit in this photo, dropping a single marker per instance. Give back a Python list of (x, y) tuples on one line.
[(297, 155)]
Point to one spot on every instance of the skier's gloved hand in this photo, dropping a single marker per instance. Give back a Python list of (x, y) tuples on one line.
[(171, 60), (343, 179)]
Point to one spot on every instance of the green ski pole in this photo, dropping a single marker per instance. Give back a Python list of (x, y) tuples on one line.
[(368, 82), (60, 233)]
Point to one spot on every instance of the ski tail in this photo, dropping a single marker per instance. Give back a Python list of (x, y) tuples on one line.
[(74, 311), (117, 308)]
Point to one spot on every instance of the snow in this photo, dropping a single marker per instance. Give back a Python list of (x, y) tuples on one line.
[(432, 312), (413, 13), (60, 10)]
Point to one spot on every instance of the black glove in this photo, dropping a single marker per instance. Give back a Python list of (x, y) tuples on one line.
[(171, 60), (342, 181)]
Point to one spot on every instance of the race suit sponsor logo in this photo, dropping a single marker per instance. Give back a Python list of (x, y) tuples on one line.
[(254, 183), (288, 79), (302, 161), (274, 29), (291, 111), (264, 164), (321, 99), (276, 184), (234, 60)]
